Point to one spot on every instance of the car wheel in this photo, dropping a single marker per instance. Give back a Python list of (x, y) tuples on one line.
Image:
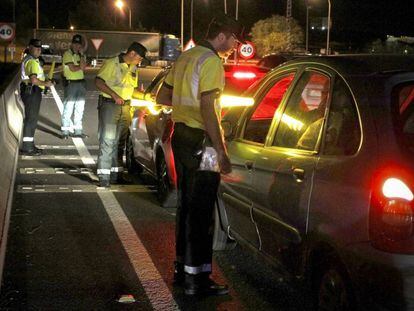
[(333, 292), (221, 240), (165, 192), (132, 165)]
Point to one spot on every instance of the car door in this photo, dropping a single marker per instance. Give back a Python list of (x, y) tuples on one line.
[(282, 179), (237, 193), (149, 126)]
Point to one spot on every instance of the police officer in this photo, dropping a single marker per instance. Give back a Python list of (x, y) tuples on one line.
[(33, 82), (193, 86), (74, 64), (116, 80)]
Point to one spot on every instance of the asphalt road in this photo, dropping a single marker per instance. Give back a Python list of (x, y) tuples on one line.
[(73, 246)]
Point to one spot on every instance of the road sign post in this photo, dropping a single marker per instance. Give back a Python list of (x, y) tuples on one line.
[(7, 34), (97, 44), (247, 50)]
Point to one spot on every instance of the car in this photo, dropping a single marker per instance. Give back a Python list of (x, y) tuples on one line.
[(48, 55), (322, 180), (273, 60), (149, 143)]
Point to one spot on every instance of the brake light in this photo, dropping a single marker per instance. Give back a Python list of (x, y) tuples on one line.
[(392, 216), (244, 75), (395, 188)]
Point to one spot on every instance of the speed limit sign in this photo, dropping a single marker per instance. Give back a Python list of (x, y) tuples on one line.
[(7, 31), (247, 50)]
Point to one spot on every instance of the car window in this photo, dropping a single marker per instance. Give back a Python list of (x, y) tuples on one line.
[(343, 132), (261, 117), (301, 122), (403, 102)]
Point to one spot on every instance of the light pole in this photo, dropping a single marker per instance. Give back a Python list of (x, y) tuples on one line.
[(329, 27), (237, 10), (191, 19), (182, 25), (120, 5), (225, 7), (37, 14), (307, 29)]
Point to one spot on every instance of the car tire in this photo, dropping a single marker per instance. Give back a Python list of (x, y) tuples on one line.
[(132, 165), (221, 240), (166, 195), (332, 290)]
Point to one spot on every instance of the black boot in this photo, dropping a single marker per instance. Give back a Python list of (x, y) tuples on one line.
[(179, 276), (201, 284)]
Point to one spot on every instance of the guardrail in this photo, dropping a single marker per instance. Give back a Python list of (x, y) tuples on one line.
[(11, 123)]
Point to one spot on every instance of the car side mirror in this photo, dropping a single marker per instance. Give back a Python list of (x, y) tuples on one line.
[(227, 129)]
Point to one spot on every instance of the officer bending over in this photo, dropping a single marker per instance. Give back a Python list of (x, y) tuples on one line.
[(33, 82), (116, 80)]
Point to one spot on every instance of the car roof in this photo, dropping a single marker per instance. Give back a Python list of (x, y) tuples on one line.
[(362, 64)]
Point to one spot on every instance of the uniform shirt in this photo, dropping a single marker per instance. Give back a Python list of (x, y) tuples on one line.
[(69, 57), (197, 71), (119, 76), (31, 66)]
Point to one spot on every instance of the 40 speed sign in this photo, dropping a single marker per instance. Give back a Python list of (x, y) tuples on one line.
[(7, 31), (247, 50)]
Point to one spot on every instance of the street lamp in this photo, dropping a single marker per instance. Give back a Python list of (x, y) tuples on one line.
[(307, 28), (37, 14), (329, 27), (120, 5), (237, 10)]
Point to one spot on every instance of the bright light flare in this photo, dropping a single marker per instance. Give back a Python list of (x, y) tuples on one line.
[(244, 75), (119, 4), (292, 123), (235, 101), (395, 188)]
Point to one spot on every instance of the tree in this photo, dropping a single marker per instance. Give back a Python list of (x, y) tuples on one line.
[(270, 35)]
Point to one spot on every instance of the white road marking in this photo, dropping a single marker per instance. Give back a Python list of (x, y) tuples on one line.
[(157, 291), (64, 147), (87, 188)]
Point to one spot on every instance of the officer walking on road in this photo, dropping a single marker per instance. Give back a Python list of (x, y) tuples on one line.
[(33, 82), (74, 64), (116, 80), (194, 85)]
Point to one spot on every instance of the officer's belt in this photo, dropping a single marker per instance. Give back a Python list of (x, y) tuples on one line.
[(110, 100), (75, 81)]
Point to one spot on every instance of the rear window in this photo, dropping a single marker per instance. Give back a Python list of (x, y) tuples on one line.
[(404, 114)]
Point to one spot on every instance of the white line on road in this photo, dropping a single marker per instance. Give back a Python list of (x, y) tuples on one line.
[(157, 291)]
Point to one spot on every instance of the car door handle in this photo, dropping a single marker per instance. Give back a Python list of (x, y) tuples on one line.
[(299, 174), (248, 165)]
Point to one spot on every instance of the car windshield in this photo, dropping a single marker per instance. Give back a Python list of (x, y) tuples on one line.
[(403, 105)]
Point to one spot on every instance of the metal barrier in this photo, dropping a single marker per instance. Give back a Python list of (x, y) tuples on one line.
[(11, 123)]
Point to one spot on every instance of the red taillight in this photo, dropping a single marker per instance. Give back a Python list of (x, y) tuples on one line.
[(244, 75), (392, 216)]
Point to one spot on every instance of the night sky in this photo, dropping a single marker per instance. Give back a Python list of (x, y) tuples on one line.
[(352, 19)]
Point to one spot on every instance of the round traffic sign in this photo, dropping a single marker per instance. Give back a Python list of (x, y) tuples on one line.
[(7, 32), (247, 50)]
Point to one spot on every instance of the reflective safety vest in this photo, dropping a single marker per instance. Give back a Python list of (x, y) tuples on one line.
[(198, 70), (29, 66), (119, 76), (71, 58)]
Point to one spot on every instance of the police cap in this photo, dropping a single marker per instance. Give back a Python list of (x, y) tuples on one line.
[(36, 43), (77, 39), (138, 48), (226, 24)]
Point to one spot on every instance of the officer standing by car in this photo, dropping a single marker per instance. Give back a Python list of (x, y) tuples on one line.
[(74, 65), (117, 80), (194, 85), (33, 82)]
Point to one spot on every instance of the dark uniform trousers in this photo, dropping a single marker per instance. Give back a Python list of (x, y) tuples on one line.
[(197, 193), (113, 119), (31, 97)]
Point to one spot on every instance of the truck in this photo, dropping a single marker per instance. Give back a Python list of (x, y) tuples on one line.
[(104, 44)]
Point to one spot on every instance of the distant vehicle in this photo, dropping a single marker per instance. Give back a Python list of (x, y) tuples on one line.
[(323, 178), (48, 55)]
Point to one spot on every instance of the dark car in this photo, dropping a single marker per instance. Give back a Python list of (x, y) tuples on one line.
[(273, 60), (149, 143), (323, 178)]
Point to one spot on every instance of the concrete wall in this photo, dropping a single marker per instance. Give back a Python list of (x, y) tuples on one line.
[(11, 122)]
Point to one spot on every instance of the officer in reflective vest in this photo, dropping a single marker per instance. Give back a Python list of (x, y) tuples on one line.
[(194, 85), (74, 64), (117, 79), (33, 82)]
